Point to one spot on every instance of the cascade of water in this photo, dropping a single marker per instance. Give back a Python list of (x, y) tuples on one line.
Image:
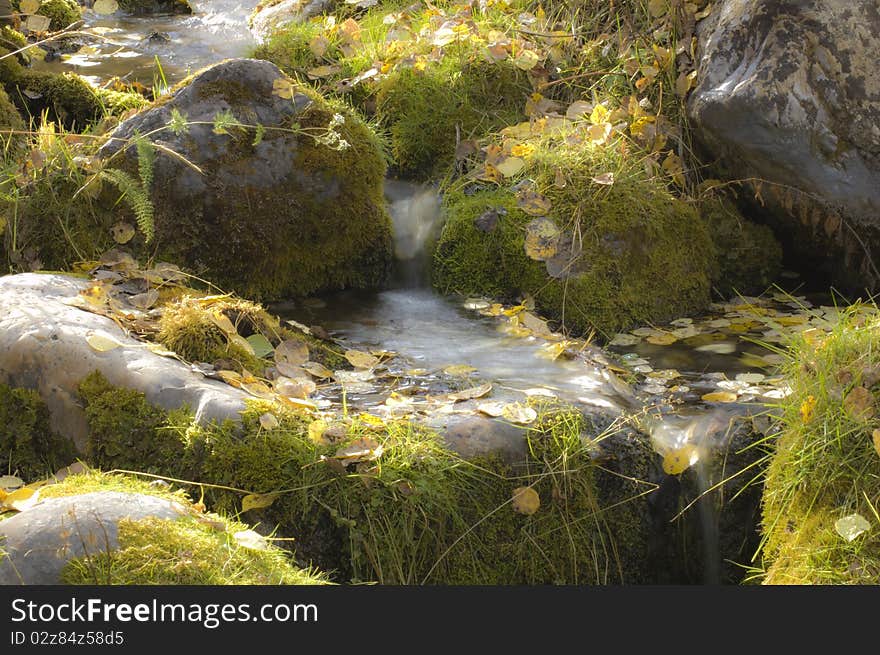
[(416, 217)]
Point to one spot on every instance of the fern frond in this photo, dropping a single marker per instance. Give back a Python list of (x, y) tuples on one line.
[(136, 197), (146, 154)]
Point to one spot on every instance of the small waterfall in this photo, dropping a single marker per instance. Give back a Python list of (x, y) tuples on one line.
[(415, 215)]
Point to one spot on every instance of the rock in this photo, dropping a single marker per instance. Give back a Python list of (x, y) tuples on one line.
[(476, 436), (40, 541), (286, 200), (43, 346), (273, 15), (789, 93), (148, 7)]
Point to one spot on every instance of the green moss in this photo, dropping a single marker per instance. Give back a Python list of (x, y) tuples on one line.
[(29, 447), (645, 256), (194, 549), (824, 465), (12, 39), (62, 13), (10, 122), (427, 112), (748, 256), (418, 514)]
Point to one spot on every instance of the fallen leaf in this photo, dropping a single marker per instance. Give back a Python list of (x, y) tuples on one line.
[(316, 432), (258, 389), (221, 321), (359, 450), (250, 540), (260, 345), (600, 133), (859, 403), (102, 343), (122, 232), (679, 460), (664, 339), (268, 421), (242, 343), (605, 179), (526, 500), (257, 501), (283, 88), (318, 370), (21, 499), (361, 359), (521, 414), (526, 60), (145, 300), (875, 437), (541, 240), (470, 394), (294, 387), (319, 45), (850, 527), (459, 370), (719, 397), (493, 409), (510, 166), (29, 6), (533, 203), (322, 71)]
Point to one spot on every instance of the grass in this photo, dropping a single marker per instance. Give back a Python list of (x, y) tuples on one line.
[(825, 466)]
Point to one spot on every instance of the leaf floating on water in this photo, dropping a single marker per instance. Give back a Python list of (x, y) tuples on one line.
[(679, 460), (21, 499), (493, 409), (859, 403), (292, 352), (664, 339), (361, 359), (102, 343), (722, 348), (318, 370), (268, 422), (552, 351), (295, 388), (459, 370), (520, 414), (257, 501), (260, 345), (751, 378), (470, 394), (719, 397), (10, 482), (850, 527), (622, 339), (539, 391), (542, 237), (526, 500), (250, 540)]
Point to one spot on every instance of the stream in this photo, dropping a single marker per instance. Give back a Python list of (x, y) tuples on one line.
[(691, 376)]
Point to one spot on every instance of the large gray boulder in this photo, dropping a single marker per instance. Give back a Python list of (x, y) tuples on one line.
[(260, 185), (44, 345), (789, 93)]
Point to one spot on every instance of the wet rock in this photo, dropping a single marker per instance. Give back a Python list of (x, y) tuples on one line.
[(789, 93), (276, 193), (476, 436), (148, 7), (270, 16), (44, 346), (40, 541)]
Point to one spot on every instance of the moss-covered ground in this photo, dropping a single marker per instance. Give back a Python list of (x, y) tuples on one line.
[(825, 466)]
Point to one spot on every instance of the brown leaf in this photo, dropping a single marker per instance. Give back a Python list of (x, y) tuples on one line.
[(526, 500), (859, 403)]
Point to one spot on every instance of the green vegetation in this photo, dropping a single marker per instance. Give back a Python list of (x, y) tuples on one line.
[(826, 463), (406, 510), (196, 549), (29, 447), (62, 13), (147, 7)]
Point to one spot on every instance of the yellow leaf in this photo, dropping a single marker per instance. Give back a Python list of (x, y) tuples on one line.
[(459, 370), (552, 351), (29, 6), (807, 408), (319, 45), (316, 432), (599, 133), (510, 166), (664, 339), (122, 232), (257, 389), (720, 397), (522, 150), (268, 422), (470, 394), (521, 414), (533, 203), (526, 500), (102, 343), (359, 450), (542, 239), (283, 88), (360, 359), (322, 71), (599, 115), (295, 388), (105, 7), (242, 343), (257, 501), (875, 437), (292, 352), (230, 377), (679, 460), (526, 60), (221, 321), (318, 370), (21, 499)]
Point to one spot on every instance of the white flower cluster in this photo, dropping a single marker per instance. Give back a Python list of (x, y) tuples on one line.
[(331, 138)]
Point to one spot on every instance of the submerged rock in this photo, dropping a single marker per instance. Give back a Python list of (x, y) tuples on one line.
[(789, 95), (44, 345), (273, 192)]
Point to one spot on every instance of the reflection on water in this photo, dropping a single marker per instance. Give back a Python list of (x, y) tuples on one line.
[(127, 46)]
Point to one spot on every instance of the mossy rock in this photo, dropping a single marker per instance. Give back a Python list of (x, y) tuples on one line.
[(825, 464), (287, 201), (131, 532), (30, 448), (10, 122), (427, 113), (151, 7), (62, 13), (637, 255), (748, 257), (420, 514)]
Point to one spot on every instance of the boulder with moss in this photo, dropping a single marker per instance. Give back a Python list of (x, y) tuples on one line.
[(108, 529), (61, 13), (820, 519), (272, 15), (594, 256), (271, 191)]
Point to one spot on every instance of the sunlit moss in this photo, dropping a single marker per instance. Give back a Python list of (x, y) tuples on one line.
[(417, 514), (824, 465)]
